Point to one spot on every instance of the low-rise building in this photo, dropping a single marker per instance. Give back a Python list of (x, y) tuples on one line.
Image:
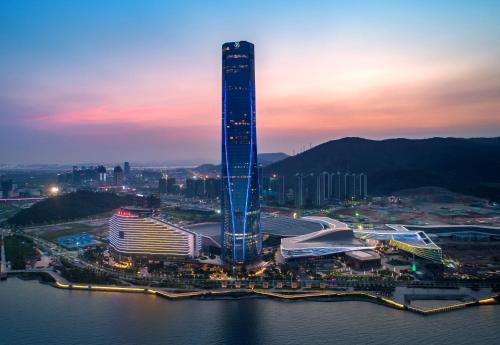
[(363, 260)]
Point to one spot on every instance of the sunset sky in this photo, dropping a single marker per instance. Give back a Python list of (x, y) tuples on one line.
[(108, 81)]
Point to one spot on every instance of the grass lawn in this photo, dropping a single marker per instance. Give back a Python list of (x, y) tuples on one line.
[(69, 229)]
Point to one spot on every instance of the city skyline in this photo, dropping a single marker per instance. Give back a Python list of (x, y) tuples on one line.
[(128, 81), (195, 172)]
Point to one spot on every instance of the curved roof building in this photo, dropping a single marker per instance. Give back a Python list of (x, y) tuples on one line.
[(460, 231), (338, 238), (413, 242), (321, 243)]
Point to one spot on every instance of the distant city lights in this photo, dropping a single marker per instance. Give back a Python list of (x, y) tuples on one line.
[(54, 190)]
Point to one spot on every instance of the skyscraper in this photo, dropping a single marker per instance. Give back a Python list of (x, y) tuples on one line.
[(298, 190), (118, 175), (171, 185), (126, 169), (351, 186), (6, 187), (363, 183), (101, 171), (212, 188), (162, 185), (240, 228), (336, 179), (324, 185), (281, 190)]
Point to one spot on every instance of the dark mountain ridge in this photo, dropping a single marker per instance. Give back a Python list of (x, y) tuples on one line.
[(470, 166), (264, 159)]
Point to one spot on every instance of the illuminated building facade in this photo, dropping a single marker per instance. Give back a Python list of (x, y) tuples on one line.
[(413, 242), (135, 232), (240, 208)]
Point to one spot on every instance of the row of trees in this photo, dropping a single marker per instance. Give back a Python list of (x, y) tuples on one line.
[(66, 207)]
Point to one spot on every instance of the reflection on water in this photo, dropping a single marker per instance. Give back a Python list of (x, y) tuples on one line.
[(32, 313)]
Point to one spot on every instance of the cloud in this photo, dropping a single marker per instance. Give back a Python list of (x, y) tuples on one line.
[(139, 116), (466, 102)]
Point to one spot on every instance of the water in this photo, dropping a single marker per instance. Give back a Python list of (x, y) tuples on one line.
[(31, 313)]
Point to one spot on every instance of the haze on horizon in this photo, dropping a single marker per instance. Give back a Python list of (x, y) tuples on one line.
[(90, 81)]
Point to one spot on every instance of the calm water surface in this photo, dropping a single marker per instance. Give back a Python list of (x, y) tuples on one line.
[(31, 313)]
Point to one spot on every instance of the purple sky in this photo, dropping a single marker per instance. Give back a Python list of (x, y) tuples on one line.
[(94, 81)]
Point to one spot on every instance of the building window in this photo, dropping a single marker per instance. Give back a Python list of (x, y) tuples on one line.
[(121, 234)]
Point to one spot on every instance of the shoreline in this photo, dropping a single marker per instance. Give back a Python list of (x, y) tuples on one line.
[(313, 295), (281, 295), (327, 296)]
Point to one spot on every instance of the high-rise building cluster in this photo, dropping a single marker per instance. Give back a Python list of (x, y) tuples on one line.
[(320, 189), (168, 185), (208, 188), (12, 189), (313, 190), (95, 174), (193, 187), (273, 189), (79, 175)]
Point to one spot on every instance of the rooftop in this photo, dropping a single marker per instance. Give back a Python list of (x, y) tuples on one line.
[(363, 255)]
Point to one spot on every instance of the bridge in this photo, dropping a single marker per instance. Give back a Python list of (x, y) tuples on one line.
[(21, 200)]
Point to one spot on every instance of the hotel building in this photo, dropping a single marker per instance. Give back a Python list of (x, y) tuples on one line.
[(135, 232)]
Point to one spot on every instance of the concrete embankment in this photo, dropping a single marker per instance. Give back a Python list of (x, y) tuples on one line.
[(282, 295)]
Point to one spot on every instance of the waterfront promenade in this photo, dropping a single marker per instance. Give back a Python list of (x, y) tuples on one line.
[(280, 294), (284, 295)]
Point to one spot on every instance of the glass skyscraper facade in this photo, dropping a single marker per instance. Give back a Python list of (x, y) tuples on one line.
[(240, 209)]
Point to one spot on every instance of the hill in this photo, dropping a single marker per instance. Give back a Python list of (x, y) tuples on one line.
[(469, 166), (264, 159), (70, 206), (270, 158)]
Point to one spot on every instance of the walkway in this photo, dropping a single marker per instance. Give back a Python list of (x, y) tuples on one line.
[(357, 296)]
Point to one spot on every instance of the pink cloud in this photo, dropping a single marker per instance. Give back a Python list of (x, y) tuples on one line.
[(178, 116)]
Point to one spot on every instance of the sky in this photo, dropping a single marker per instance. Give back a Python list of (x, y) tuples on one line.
[(109, 81)]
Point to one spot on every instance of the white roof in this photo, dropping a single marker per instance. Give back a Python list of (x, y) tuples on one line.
[(327, 222)]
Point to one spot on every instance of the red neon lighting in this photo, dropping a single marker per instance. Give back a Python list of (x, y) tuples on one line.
[(124, 213)]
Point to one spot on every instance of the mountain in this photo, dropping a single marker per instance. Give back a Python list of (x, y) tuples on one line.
[(469, 166), (207, 169), (264, 159), (270, 158)]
